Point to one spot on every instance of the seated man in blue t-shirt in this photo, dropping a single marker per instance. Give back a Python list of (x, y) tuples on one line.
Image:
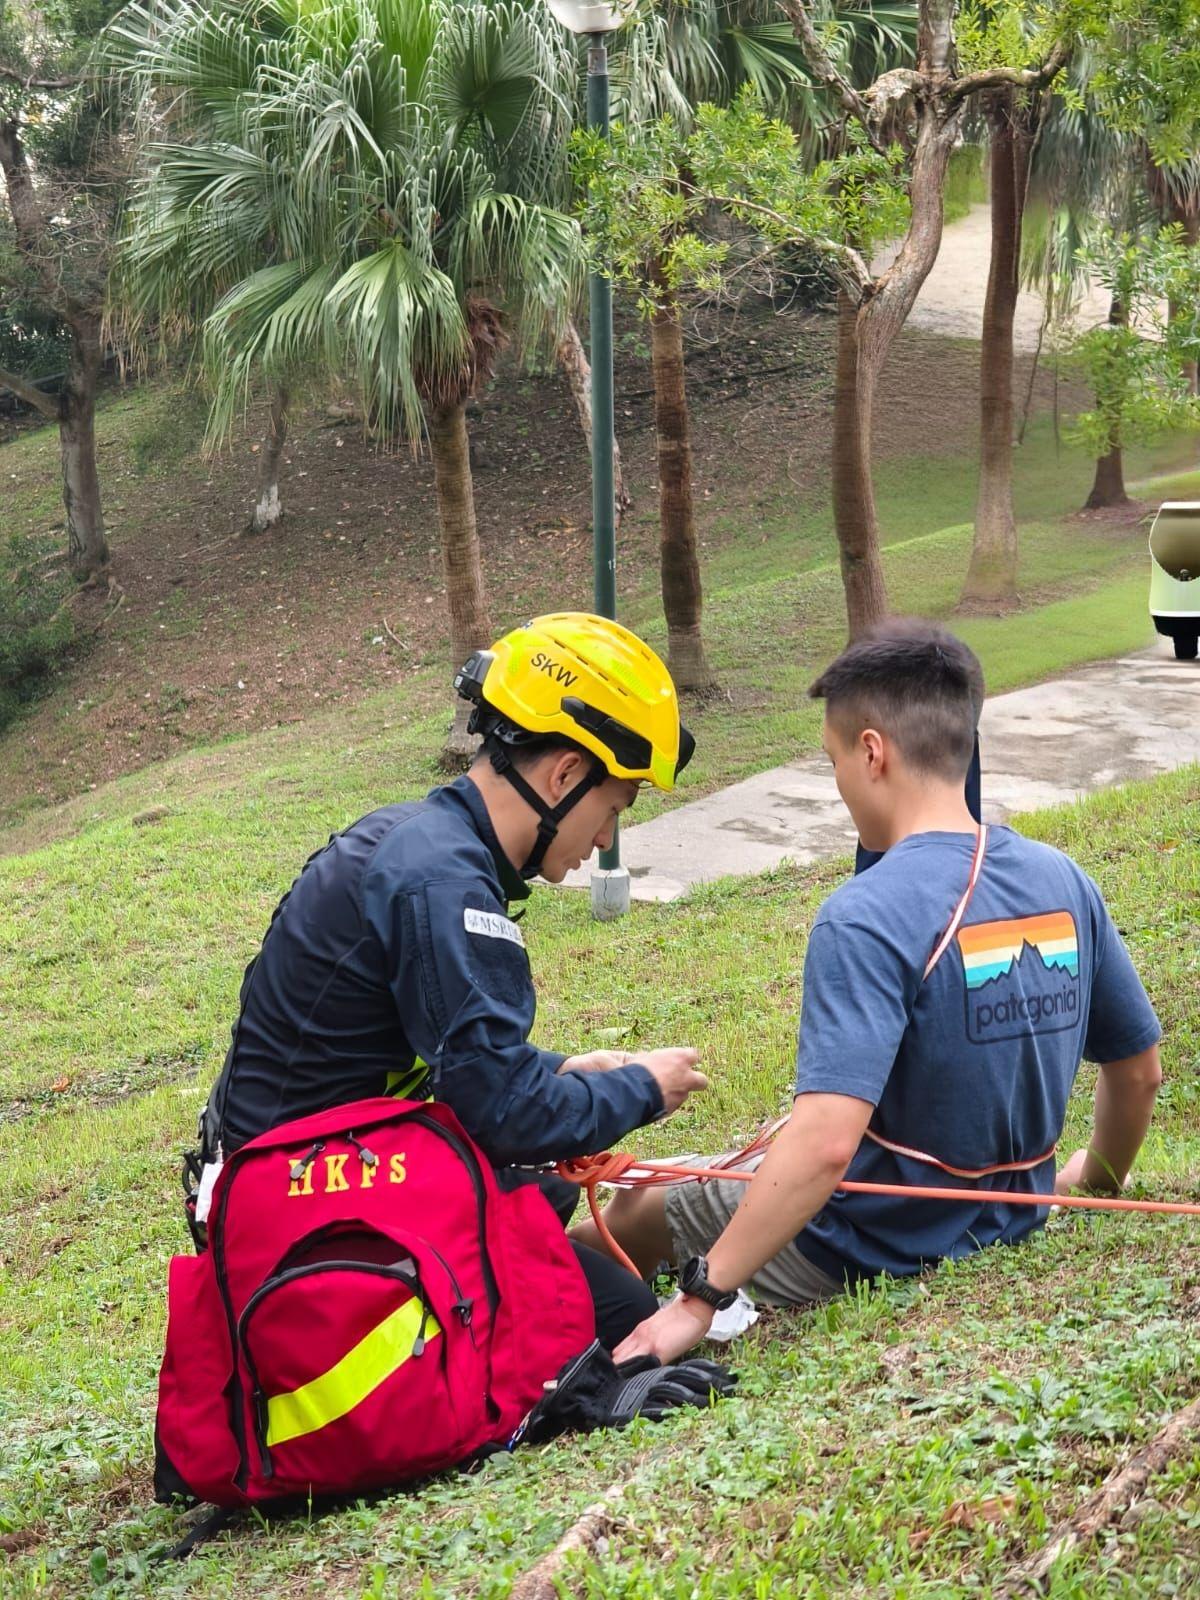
[(952, 1071)]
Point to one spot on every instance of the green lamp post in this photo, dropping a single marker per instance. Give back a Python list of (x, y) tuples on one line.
[(610, 884)]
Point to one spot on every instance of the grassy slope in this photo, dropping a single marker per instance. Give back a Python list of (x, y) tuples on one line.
[(773, 615), (860, 1428), (774, 609)]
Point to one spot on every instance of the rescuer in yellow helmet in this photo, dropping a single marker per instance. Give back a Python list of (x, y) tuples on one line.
[(575, 685), (392, 964)]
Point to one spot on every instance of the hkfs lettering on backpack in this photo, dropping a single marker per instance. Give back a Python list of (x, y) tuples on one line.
[(553, 669), (329, 1175)]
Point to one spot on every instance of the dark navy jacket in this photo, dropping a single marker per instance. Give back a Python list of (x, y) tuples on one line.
[(392, 966)]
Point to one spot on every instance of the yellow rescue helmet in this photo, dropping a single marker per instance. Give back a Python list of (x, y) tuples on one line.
[(586, 679)]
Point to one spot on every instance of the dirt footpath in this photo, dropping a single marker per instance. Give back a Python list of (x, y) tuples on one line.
[(951, 298)]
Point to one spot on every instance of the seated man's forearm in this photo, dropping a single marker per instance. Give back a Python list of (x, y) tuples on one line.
[(1125, 1097), (800, 1171)]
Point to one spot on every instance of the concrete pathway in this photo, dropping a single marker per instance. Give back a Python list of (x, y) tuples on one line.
[(952, 296), (1105, 724)]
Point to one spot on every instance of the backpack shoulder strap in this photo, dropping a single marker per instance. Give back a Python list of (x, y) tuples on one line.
[(960, 909)]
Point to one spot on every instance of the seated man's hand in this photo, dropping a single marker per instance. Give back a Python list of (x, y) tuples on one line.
[(675, 1073), (669, 1332), (1071, 1175), (1093, 1177), (597, 1061)]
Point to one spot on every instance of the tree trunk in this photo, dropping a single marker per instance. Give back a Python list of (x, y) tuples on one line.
[(854, 514), (993, 571), (1108, 486), (866, 334), (470, 626), (267, 508), (87, 548), (681, 589), (572, 358)]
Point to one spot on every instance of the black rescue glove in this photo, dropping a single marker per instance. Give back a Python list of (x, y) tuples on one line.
[(591, 1391)]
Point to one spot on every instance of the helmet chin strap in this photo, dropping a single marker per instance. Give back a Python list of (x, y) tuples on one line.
[(549, 817)]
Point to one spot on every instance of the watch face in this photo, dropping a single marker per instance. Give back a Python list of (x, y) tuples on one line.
[(694, 1272)]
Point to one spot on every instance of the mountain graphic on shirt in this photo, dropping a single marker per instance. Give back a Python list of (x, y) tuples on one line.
[(1022, 976)]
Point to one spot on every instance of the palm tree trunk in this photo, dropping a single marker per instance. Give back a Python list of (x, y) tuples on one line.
[(577, 370), (470, 626), (267, 508), (854, 516), (1108, 486), (993, 571), (87, 547), (681, 588)]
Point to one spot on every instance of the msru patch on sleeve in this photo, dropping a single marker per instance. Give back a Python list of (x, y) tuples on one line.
[(491, 925)]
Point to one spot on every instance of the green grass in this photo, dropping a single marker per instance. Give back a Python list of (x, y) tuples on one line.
[(773, 616), (1020, 1377), (774, 612)]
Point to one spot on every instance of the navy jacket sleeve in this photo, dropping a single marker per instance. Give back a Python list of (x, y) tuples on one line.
[(458, 969)]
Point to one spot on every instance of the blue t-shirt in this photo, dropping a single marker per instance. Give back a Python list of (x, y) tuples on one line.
[(973, 1065)]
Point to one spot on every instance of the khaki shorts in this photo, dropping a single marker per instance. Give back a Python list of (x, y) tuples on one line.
[(697, 1215)]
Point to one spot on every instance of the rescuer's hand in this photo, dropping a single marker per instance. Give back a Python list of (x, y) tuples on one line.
[(674, 1071), (597, 1061)]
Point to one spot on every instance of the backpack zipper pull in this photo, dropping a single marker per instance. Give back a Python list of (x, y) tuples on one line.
[(261, 1426), (418, 1348), (301, 1166), (367, 1157)]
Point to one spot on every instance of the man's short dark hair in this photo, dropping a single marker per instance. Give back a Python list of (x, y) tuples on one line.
[(528, 752), (915, 682)]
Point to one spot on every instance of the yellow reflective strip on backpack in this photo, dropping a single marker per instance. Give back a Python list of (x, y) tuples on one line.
[(408, 1084), (349, 1381)]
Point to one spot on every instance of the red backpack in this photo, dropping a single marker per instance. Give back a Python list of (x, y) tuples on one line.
[(370, 1308)]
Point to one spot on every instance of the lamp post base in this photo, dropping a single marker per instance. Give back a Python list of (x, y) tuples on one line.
[(610, 894)]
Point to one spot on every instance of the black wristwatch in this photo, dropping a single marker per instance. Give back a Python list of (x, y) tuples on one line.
[(694, 1280)]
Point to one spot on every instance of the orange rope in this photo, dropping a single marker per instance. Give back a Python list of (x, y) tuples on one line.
[(630, 1173)]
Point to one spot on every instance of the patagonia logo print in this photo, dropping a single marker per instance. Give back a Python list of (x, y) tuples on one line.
[(1022, 976)]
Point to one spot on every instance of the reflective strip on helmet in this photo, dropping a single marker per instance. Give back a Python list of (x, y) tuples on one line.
[(349, 1381)]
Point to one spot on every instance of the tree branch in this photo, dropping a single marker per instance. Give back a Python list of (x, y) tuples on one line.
[(1114, 1494), (11, 75), (1010, 77), (856, 268), (822, 67), (29, 393)]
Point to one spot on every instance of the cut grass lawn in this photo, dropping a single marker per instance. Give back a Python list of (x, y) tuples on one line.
[(295, 618), (771, 624), (911, 1441)]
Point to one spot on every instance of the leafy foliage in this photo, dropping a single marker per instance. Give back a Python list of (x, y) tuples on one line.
[(652, 194), (35, 624), (351, 183), (1136, 371), (33, 342), (1146, 78)]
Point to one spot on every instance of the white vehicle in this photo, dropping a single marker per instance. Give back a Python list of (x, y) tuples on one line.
[(1175, 574)]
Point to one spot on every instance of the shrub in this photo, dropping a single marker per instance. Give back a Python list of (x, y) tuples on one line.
[(36, 624)]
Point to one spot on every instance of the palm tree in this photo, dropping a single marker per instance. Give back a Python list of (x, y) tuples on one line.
[(709, 51), (361, 181), (1082, 181)]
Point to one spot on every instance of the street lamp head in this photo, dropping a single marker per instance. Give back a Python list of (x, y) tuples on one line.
[(591, 16)]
